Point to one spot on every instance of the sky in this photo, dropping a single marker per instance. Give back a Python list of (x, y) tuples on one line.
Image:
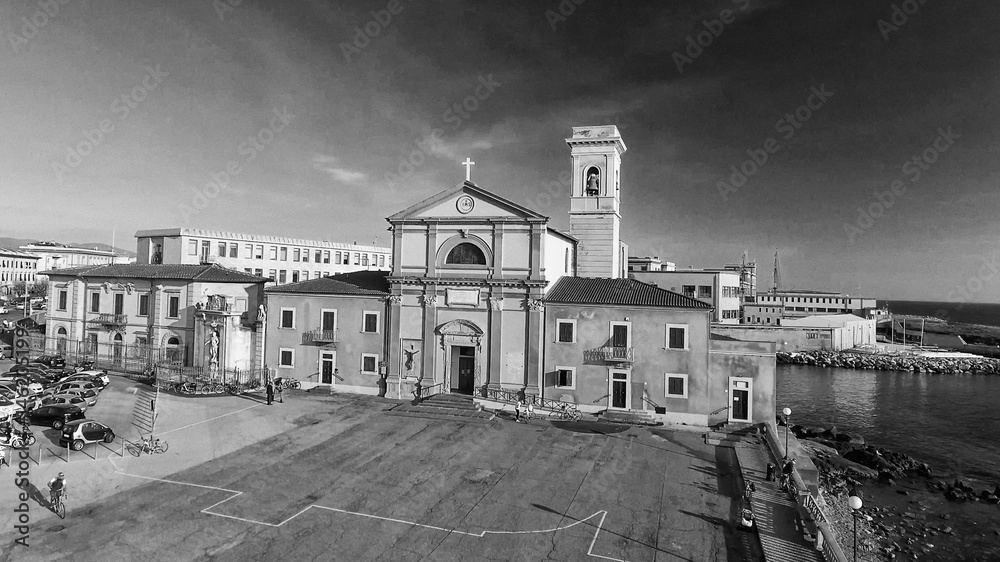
[(859, 139)]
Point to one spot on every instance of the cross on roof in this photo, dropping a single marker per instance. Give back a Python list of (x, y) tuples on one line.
[(468, 168)]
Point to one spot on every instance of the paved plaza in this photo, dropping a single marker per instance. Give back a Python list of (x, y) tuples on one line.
[(335, 477)]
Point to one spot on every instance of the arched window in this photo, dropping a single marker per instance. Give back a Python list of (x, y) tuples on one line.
[(466, 253), (593, 181)]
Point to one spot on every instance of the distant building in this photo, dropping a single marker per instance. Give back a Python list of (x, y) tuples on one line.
[(60, 256), (833, 332), (16, 267), (773, 307), (283, 260), (718, 288), (649, 264), (136, 314)]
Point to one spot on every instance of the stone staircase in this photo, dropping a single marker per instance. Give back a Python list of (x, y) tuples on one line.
[(631, 417), (444, 406), (142, 415)]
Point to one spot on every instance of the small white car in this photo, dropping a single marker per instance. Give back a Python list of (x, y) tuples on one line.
[(8, 408), (72, 399)]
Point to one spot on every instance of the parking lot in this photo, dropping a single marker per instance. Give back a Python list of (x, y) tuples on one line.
[(335, 477)]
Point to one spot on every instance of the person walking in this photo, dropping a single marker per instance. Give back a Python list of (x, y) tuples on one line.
[(269, 389), (519, 405), (279, 385)]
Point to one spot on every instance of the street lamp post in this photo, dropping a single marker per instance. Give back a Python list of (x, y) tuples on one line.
[(787, 412), (855, 503)]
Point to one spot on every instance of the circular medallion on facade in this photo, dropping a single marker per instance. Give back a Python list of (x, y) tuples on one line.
[(465, 204)]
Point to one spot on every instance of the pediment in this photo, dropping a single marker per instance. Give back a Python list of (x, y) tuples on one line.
[(459, 328), (465, 201)]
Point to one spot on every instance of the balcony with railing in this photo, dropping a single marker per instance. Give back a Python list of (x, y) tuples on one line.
[(108, 319), (610, 354), (319, 337)]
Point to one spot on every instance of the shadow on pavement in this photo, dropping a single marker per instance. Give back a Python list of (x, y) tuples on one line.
[(36, 495), (589, 523)]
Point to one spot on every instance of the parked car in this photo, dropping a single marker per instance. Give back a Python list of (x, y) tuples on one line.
[(55, 415), (87, 394), (96, 377), (8, 408), (78, 433), (64, 386), (54, 361), (6, 351), (26, 402), (4, 310), (71, 399), (22, 386)]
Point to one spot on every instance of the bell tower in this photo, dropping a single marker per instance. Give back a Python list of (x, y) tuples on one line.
[(595, 205)]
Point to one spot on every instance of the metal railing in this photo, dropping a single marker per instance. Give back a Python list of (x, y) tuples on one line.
[(111, 319), (319, 336), (501, 395), (624, 354)]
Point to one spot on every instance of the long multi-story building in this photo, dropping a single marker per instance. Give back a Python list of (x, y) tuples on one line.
[(283, 260), (54, 256), (16, 267), (773, 306)]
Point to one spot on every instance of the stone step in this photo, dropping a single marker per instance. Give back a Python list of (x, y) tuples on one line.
[(631, 417)]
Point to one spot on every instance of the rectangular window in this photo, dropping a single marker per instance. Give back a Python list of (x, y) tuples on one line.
[(92, 343), (248, 251), (282, 276), (370, 323), (295, 254), (305, 275), (688, 291), (566, 377), (286, 357), (192, 247), (326, 256), (357, 258), (295, 276), (62, 299), (620, 334), (222, 249), (319, 256), (381, 261), (174, 306), (272, 274), (704, 291), (284, 253), (336, 258), (676, 385), (677, 336), (258, 272), (259, 252), (144, 305), (329, 320), (234, 250), (119, 303), (364, 260), (274, 252), (566, 331), (206, 249), (95, 302), (287, 318), (347, 258), (369, 363), (248, 270), (305, 254)]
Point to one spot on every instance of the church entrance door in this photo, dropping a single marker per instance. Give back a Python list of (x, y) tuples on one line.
[(465, 367)]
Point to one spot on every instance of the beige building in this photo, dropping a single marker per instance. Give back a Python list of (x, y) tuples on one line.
[(283, 260), (54, 256), (16, 267), (797, 304), (718, 288), (833, 332)]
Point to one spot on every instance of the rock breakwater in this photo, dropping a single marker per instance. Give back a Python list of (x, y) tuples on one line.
[(887, 362)]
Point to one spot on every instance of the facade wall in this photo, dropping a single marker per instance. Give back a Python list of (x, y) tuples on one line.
[(17, 267), (725, 295), (652, 361), (346, 353), (560, 258), (804, 338), (753, 361)]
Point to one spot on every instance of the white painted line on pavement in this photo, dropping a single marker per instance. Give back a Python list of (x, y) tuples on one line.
[(481, 534), (208, 420)]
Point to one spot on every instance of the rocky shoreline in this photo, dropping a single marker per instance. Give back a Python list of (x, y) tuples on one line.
[(892, 362), (909, 518)]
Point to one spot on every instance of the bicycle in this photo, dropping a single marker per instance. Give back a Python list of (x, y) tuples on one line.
[(288, 383), (212, 388), (57, 503), (148, 445), (566, 413), (187, 387)]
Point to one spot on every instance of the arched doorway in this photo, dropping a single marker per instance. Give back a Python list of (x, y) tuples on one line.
[(172, 349), (117, 350), (61, 340), (461, 341)]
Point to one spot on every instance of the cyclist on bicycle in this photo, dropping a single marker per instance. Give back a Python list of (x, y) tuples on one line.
[(57, 488), (519, 405)]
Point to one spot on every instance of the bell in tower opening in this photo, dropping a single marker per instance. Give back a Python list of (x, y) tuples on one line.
[(593, 182)]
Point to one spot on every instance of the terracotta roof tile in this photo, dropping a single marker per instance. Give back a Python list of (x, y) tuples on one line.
[(620, 292)]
